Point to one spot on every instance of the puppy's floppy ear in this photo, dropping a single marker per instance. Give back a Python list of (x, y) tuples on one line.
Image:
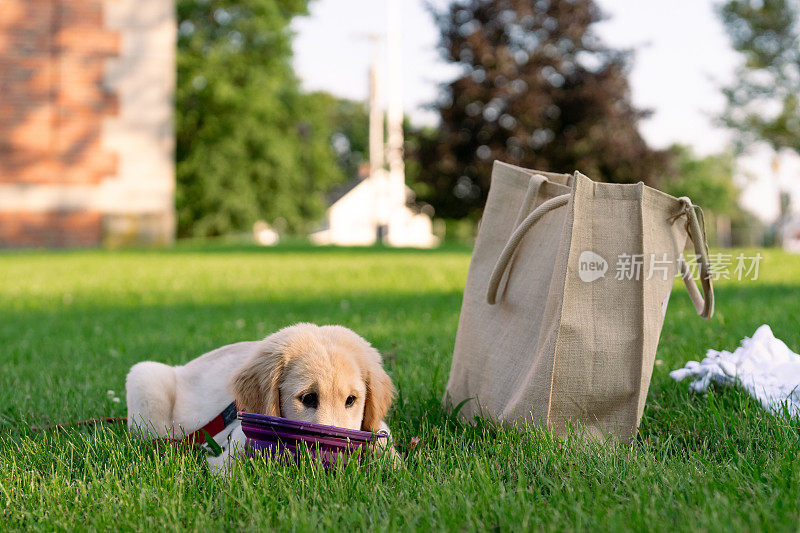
[(380, 392), (256, 384)]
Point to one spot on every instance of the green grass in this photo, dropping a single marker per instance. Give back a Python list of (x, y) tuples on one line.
[(72, 323)]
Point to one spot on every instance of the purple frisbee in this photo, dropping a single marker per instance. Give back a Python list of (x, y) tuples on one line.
[(274, 436)]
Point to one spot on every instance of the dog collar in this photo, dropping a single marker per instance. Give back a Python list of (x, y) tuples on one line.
[(213, 428)]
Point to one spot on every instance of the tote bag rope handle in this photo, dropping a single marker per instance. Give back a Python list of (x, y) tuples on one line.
[(505, 257), (703, 303)]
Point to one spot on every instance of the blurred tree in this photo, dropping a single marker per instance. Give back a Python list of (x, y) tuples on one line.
[(538, 89), (250, 145), (763, 103), (418, 141), (349, 120), (349, 126), (709, 182), (349, 123)]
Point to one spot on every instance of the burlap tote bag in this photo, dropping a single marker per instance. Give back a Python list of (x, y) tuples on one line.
[(565, 300)]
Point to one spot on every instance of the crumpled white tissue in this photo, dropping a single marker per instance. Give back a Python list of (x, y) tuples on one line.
[(763, 365)]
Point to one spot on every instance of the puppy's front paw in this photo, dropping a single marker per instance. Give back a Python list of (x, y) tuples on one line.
[(219, 465), (395, 458), (384, 446)]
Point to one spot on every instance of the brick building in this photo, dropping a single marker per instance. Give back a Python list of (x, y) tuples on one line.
[(86, 134)]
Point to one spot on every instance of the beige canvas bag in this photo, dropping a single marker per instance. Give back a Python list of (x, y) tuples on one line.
[(557, 326)]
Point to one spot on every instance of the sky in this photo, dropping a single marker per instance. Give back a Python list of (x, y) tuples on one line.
[(682, 59)]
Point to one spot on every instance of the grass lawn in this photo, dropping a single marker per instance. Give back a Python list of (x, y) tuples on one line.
[(72, 323)]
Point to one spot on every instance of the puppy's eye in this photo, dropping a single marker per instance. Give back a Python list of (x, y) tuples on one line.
[(310, 400), (350, 401)]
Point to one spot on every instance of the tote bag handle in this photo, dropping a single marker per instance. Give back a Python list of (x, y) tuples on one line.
[(703, 303), (505, 256)]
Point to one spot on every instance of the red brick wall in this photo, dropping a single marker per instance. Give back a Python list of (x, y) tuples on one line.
[(52, 60), (53, 101), (51, 230)]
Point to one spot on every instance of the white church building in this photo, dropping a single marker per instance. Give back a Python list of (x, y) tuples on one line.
[(359, 217), (380, 207)]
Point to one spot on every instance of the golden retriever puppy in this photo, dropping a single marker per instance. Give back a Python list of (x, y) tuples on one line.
[(322, 374)]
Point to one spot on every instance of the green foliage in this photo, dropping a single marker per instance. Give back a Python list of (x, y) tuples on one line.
[(416, 148), (250, 145), (538, 89), (73, 323), (349, 121), (763, 104), (708, 181)]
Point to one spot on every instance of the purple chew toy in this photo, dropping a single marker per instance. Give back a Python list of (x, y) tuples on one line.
[(273, 436)]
